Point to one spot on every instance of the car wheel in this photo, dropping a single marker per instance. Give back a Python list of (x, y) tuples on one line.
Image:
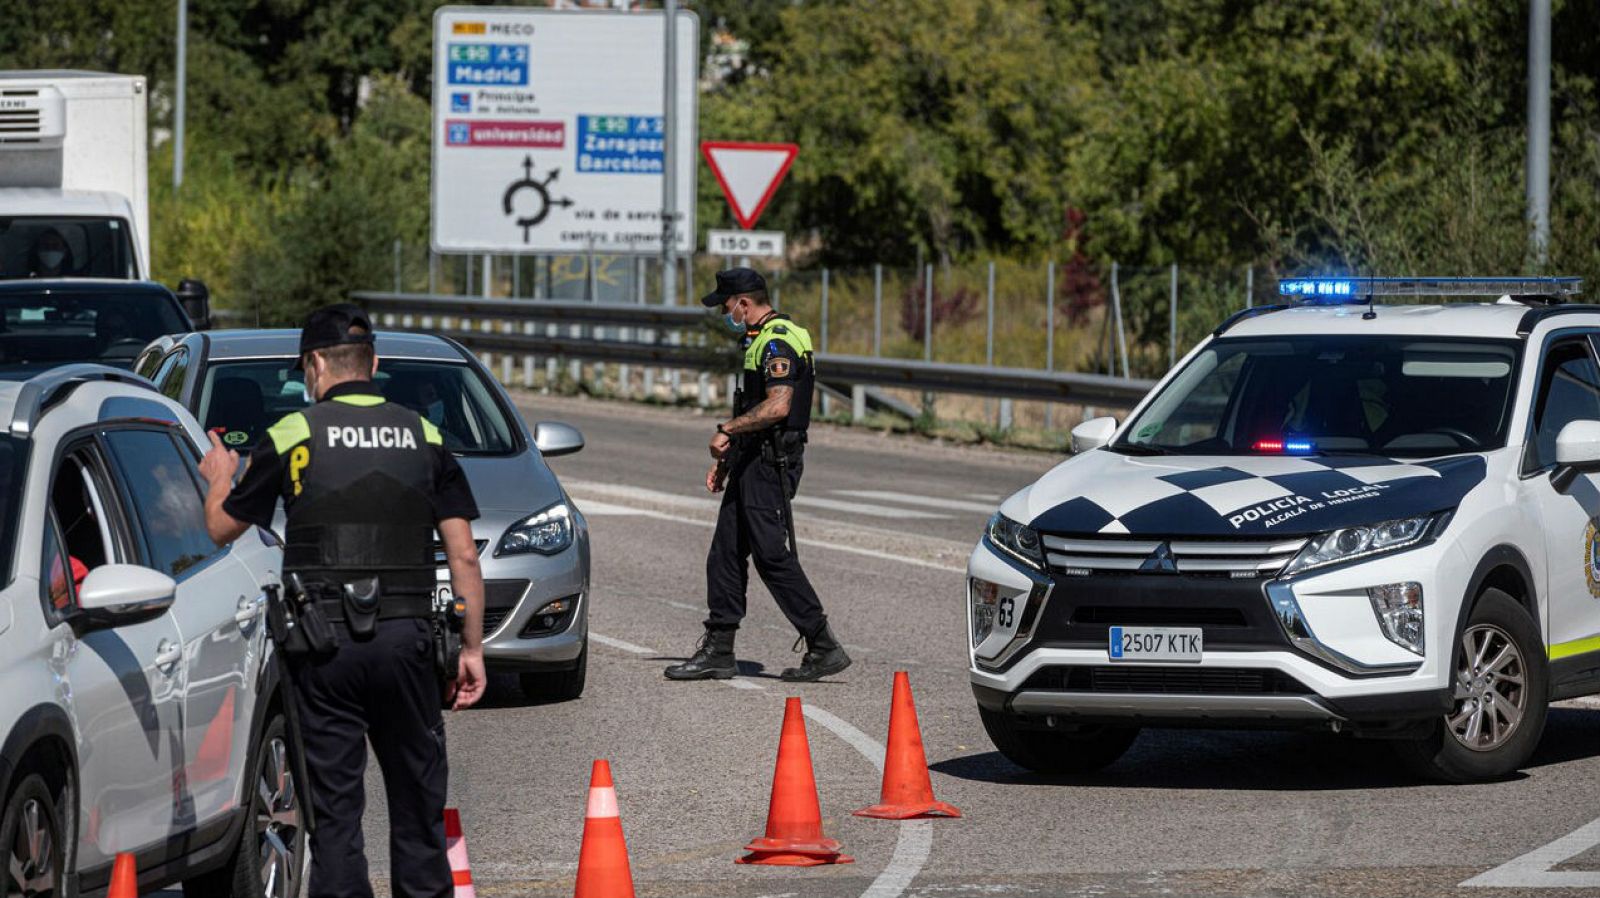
[(270, 859), (560, 685), (1501, 690), (35, 847), (1082, 749)]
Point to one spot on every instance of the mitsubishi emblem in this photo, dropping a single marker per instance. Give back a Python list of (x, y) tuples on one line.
[(1160, 561)]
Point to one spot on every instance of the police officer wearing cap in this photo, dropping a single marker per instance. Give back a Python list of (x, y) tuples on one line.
[(365, 484), (758, 458)]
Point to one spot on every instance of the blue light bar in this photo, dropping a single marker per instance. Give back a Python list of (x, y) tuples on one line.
[(1359, 288), (1297, 446)]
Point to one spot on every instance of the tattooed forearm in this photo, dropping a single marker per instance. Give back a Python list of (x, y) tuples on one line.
[(770, 411)]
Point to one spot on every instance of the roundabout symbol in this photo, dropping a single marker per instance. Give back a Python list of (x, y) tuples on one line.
[(541, 189)]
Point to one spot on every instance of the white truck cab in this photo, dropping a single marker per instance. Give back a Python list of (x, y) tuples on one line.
[(1341, 513), (74, 200)]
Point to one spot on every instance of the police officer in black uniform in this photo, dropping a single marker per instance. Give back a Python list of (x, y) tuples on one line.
[(365, 484), (758, 458)]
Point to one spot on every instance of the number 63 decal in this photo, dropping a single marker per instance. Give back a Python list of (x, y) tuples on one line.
[(1008, 609)]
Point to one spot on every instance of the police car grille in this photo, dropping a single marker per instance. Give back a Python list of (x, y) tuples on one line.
[(1166, 681), (1081, 556)]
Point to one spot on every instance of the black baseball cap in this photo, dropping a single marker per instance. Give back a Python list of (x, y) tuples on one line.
[(734, 282), (330, 326)]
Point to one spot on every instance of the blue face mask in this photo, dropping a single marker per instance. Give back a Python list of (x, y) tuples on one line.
[(733, 324)]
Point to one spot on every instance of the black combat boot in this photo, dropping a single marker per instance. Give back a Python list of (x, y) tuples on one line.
[(824, 657), (713, 659)]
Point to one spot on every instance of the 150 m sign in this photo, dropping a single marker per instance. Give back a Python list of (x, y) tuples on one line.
[(765, 244)]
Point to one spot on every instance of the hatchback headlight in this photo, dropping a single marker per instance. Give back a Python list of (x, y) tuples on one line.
[(1017, 540), (1350, 543), (548, 532)]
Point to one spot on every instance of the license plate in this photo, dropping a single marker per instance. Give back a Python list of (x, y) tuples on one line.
[(1155, 644)]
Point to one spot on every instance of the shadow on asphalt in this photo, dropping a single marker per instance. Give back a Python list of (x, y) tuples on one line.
[(1208, 759)]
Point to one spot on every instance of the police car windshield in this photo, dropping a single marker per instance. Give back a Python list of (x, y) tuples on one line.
[(244, 398), (1396, 396)]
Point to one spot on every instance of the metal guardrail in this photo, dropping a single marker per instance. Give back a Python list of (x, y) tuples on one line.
[(912, 374)]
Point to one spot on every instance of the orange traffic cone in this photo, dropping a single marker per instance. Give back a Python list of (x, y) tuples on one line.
[(603, 859), (794, 820), (907, 787), (455, 842), (124, 877)]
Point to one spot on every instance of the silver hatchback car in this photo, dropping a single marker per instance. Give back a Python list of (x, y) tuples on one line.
[(533, 542)]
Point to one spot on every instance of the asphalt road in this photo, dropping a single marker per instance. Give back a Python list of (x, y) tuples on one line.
[(1184, 813)]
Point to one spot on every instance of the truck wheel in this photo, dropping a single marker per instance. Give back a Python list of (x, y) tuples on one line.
[(1502, 687), (560, 685), (1081, 750), (35, 845), (270, 859)]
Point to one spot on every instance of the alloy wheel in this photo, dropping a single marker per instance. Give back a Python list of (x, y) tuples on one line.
[(1491, 689), (32, 862), (277, 821)]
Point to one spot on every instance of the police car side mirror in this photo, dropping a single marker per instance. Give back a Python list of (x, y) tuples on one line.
[(115, 594), (554, 438), (1577, 452), (1092, 434)]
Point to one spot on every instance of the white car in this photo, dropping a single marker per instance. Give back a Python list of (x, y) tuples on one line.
[(1340, 514), (141, 711)]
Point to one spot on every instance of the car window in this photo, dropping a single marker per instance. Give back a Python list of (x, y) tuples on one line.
[(167, 506), (54, 247), (1569, 390), (169, 379), (55, 575), (80, 512), (244, 398), (110, 325)]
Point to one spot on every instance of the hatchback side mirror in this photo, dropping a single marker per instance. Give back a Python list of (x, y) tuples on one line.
[(1577, 452), (196, 300), (115, 594), (1092, 434), (554, 438)]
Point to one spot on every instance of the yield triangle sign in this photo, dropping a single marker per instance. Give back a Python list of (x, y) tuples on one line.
[(749, 174)]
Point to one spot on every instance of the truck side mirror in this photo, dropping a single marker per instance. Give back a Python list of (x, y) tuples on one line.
[(196, 300)]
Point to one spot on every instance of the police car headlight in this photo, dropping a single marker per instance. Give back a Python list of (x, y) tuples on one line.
[(548, 532), (1017, 540), (1351, 543)]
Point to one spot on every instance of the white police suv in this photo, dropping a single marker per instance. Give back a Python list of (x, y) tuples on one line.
[(1346, 514)]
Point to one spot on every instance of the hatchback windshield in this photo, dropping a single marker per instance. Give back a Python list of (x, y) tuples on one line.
[(244, 398), (1388, 395), (40, 329)]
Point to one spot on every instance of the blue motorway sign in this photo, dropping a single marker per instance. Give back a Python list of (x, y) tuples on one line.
[(488, 64), (621, 144)]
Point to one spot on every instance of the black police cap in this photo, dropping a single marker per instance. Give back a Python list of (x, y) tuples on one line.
[(734, 282), (330, 326)]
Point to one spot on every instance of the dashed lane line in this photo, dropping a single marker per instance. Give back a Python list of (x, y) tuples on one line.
[(984, 508), (603, 509), (1533, 870), (915, 842)]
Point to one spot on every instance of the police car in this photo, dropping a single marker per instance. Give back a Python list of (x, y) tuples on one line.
[(141, 709), (1344, 513)]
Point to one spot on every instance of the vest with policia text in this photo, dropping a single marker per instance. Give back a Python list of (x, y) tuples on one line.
[(358, 499), (779, 330)]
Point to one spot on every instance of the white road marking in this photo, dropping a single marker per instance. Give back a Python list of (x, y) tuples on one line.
[(923, 501), (1532, 870), (821, 544), (915, 843), (595, 509), (873, 511), (986, 497), (619, 644)]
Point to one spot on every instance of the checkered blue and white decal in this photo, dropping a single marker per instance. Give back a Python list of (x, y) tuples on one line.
[(1247, 495)]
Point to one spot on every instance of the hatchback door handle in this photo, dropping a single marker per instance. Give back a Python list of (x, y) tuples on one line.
[(248, 608), (168, 654)]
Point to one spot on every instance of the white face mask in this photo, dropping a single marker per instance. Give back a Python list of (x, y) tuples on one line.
[(52, 258)]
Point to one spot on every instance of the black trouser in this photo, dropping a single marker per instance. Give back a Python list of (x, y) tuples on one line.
[(750, 525), (383, 690)]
